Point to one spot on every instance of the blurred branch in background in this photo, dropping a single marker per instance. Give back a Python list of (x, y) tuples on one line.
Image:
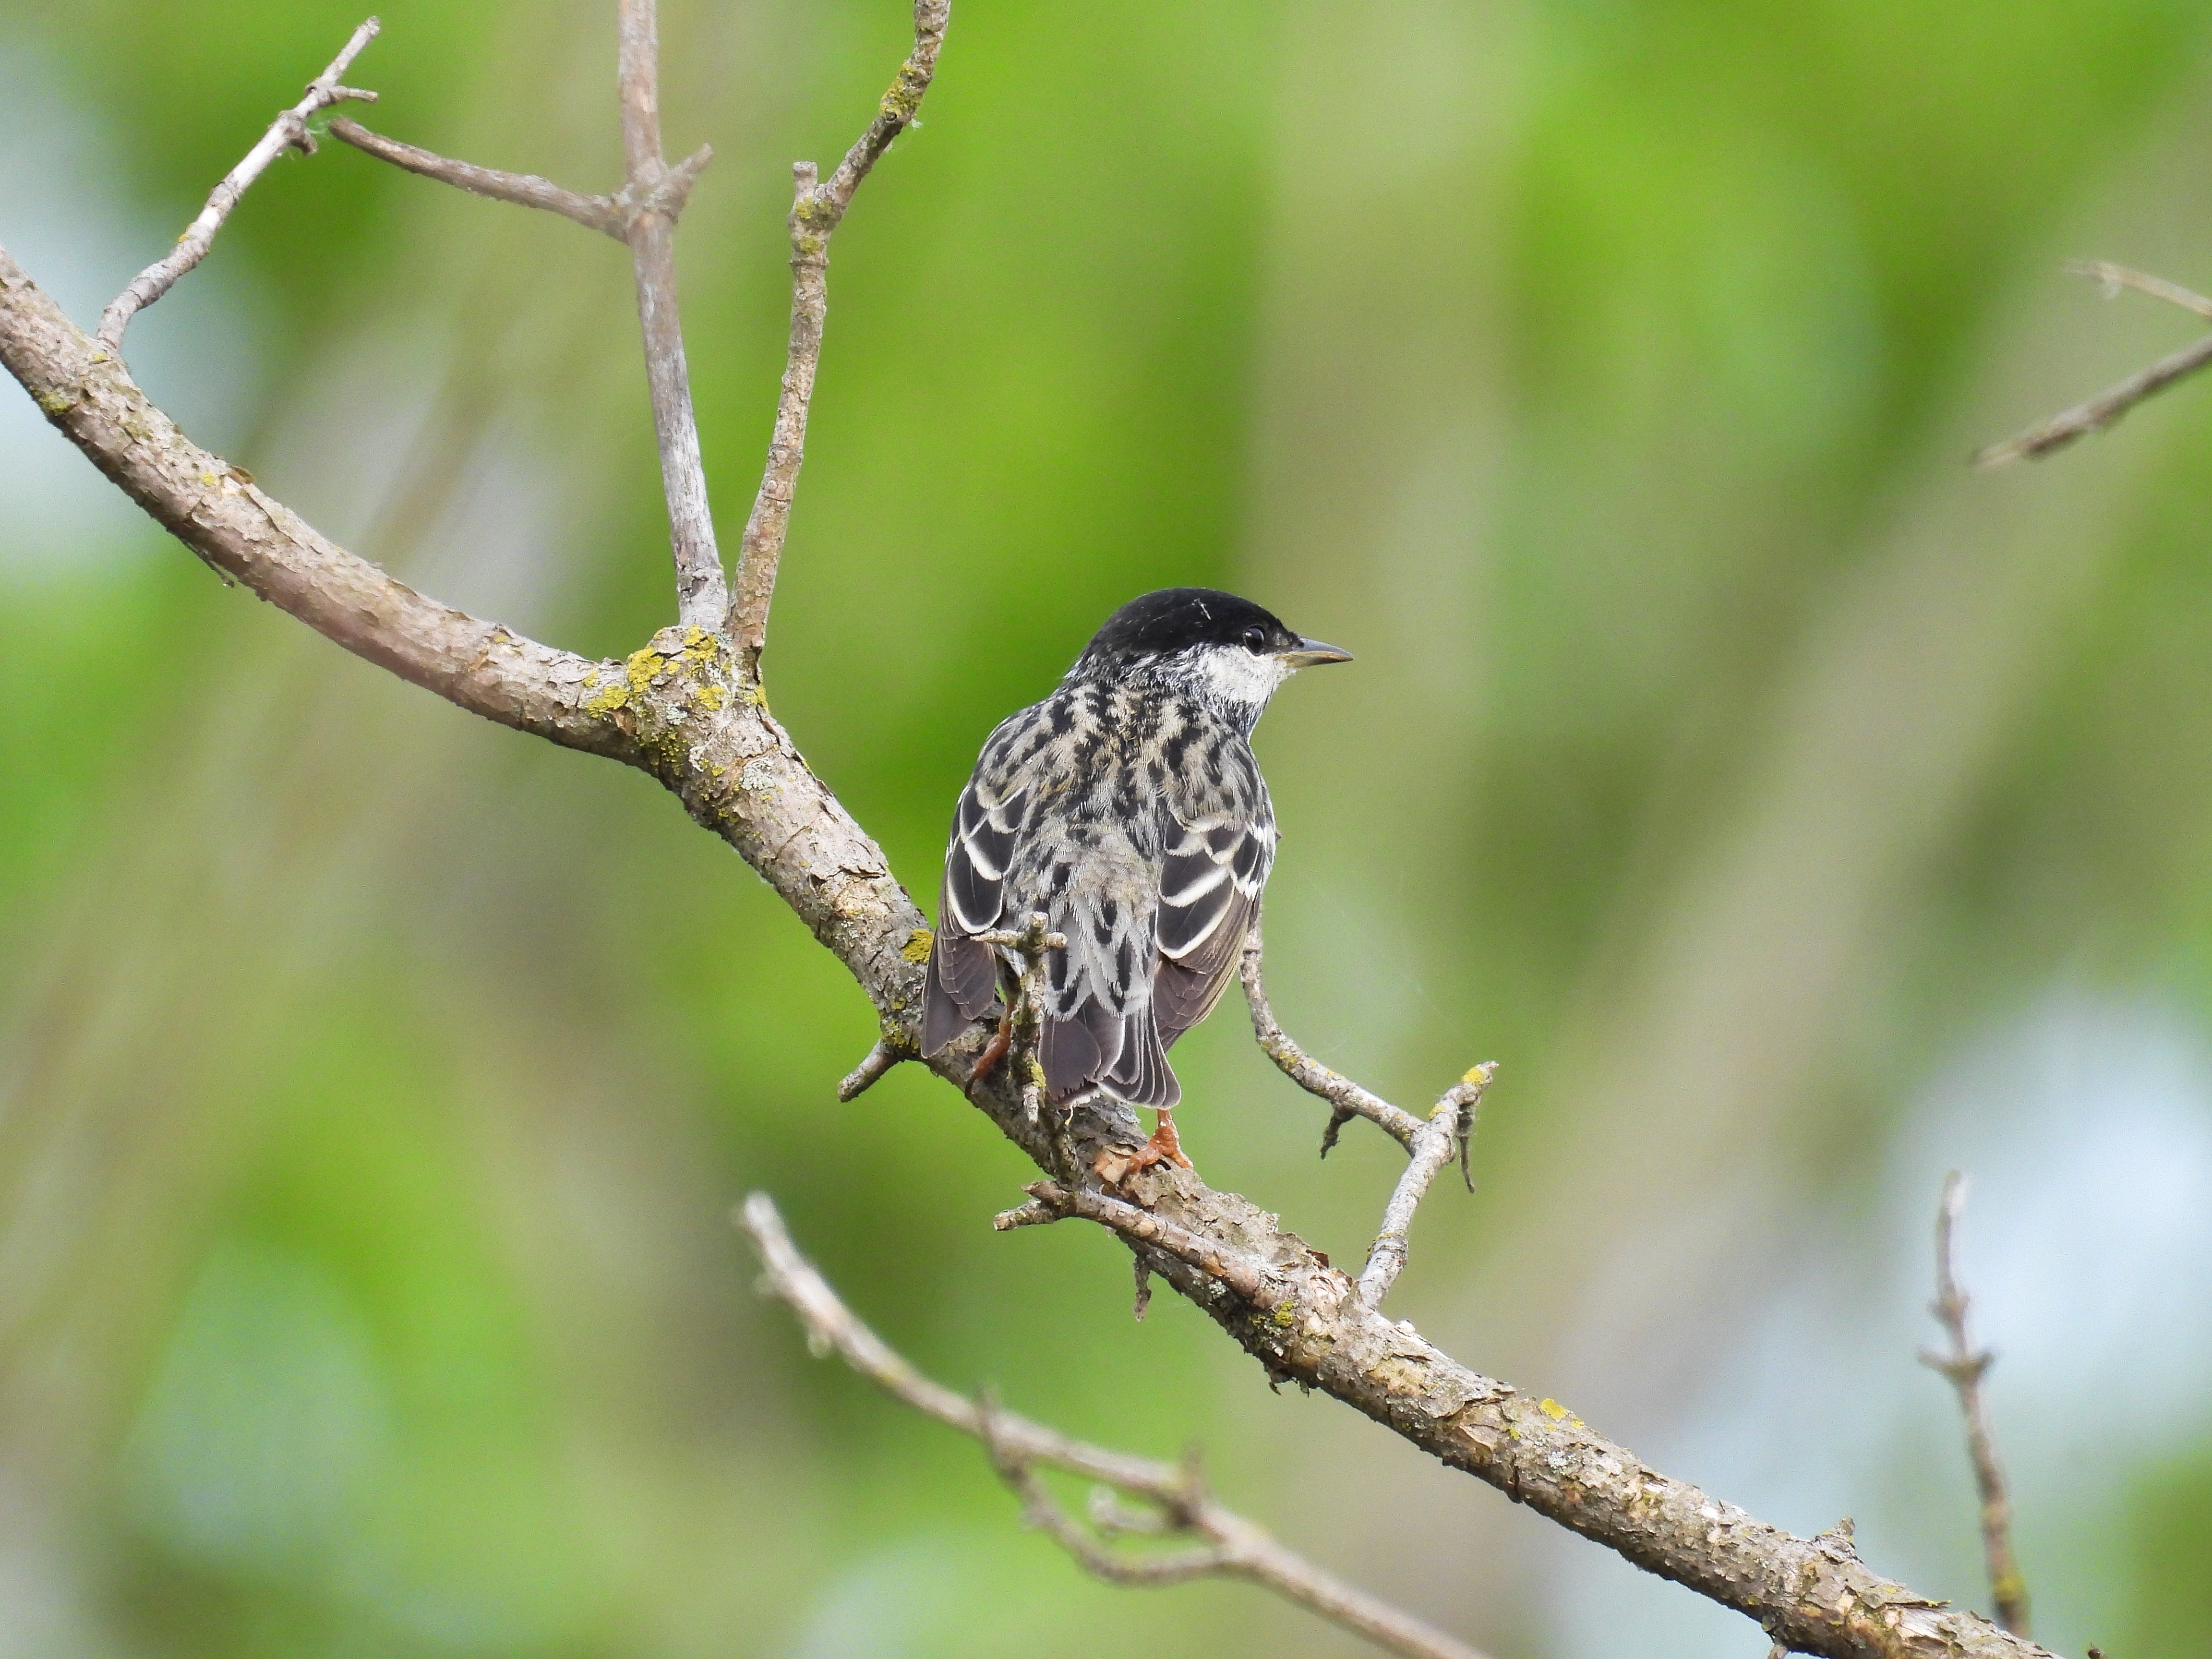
[(1180, 1506), (287, 131), (1964, 1367), (2107, 406)]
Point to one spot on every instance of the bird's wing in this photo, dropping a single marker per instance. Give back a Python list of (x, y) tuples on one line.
[(1210, 886), (1102, 893), (963, 981), (1157, 960)]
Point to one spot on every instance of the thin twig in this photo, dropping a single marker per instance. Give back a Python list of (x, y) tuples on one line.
[(2108, 405), (1179, 1504), (1242, 1272), (816, 211), (598, 213), (2113, 278), (701, 592), (2101, 411), (1963, 1367), (1450, 1128), (1346, 1098), (288, 130)]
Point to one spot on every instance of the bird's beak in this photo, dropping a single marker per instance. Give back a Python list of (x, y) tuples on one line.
[(1311, 651)]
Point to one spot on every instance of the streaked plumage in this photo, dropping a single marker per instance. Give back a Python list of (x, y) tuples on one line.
[(1129, 808)]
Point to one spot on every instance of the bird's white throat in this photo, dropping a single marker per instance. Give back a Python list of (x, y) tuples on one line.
[(1235, 682)]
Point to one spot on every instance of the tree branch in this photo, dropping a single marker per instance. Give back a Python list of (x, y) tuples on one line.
[(1346, 1098), (701, 592), (1448, 1132), (251, 538), (816, 211), (598, 213), (1963, 1367), (288, 130), (2108, 405), (686, 709), (1232, 1547)]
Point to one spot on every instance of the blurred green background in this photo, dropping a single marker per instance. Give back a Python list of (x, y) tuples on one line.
[(1794, 812)]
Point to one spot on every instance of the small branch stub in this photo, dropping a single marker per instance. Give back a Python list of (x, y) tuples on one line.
[(889, 1050)]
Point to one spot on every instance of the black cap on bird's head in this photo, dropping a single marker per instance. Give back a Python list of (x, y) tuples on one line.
[(1180, 619)]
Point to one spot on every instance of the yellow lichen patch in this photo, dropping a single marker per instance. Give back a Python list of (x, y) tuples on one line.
[(917, 948), (642, 667), (687, 665), (1286, 1315), (1554, 1410)]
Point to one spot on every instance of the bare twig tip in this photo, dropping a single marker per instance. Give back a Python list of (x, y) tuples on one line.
[(288, 132), (2109, 405), (1963, 1368)]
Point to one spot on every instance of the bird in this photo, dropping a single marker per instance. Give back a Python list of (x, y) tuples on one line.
[(1128, 809)]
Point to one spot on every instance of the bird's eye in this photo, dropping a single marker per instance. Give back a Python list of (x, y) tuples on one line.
[(1255, 639)]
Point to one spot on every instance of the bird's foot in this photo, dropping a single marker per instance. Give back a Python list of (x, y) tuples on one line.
[(1163, 1148), (995, 1049)]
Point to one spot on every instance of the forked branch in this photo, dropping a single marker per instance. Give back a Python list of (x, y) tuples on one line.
[(288, 132), (1963, 1367), (642, 215), (1176, 1501), (1448, 1132)]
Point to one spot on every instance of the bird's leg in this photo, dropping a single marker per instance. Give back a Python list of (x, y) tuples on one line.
[(1023, 997), (995, 1049), (1163, 1148)]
